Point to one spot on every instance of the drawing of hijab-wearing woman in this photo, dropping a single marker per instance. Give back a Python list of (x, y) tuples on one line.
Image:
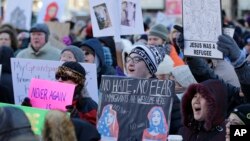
[(108, 125), (51, 11), (158, 128)]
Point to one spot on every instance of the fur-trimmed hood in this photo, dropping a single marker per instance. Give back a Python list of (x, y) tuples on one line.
[(214, 91)]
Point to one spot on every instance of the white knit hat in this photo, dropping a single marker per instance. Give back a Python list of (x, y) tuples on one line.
[(166, 66)]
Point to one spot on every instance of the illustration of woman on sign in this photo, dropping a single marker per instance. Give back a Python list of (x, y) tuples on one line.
[(158, 127), (108, 125), (51, 11)]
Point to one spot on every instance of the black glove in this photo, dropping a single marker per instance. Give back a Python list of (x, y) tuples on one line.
[(228, 47), (26, 102), (179, 37)]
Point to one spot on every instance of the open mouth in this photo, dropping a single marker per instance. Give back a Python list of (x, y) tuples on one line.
[(131, 69), (197, 109)]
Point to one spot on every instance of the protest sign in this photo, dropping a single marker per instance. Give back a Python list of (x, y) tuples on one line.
[(116, 17), (35, 116), (23, 70), (229, 31), (127, 105), (47, 94), (51, 9), (18, 13), (173, 8), (163, 19), (58, 30), (202, 25), (183, 75)]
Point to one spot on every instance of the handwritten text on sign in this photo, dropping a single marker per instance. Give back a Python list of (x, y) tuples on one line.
[(50, 95)]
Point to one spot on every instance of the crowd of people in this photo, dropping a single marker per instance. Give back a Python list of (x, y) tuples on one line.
[(201, 111)]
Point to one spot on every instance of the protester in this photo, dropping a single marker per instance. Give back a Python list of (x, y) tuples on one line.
[(142, 62), (72, 53), (6, 53), (239, 116), (14, 125), (93, 52), (158, 36), (40, 47), (8, 38), (83, 106), (204, 108), (58, 126)]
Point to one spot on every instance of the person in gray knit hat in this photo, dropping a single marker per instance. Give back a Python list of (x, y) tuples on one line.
[(158, 35), (72, 53), (40, 47)]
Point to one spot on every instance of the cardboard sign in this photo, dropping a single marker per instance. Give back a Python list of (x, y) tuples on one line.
[(116, 17), (18, 13), (35, 116), (23, 70), (183, 75), (50, 94), (58, 30), (202, 26), (127, 106), (51, 9)]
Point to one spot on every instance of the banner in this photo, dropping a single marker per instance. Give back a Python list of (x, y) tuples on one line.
[(134, 109), (116, 17), (46, 94), (35, 116), (18, 13), (23, 70), (202, 25), (51, 9)]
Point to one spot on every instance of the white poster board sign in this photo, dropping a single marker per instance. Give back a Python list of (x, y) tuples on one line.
[(18, 13), (202, 25), (183, 76), (23, 70), (116, 17), (51, 9)]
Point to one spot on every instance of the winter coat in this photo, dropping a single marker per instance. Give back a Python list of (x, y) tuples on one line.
[(175, 123), (102, 69), (14, 125), (6, 53), (47, 52), (85, 131), (213, 126), (201, 71)]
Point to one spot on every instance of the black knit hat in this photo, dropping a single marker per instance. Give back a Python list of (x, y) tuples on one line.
[(76, 67), (243, 112)]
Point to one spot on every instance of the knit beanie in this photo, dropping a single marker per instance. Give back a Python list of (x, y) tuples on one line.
[(151, 55), (243, 112), (159, 30), (166, 66), (77, 52), (41, 27), (75, 67)]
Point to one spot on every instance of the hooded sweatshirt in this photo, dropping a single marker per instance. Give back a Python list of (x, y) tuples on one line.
[(213, 127), (102, 69)]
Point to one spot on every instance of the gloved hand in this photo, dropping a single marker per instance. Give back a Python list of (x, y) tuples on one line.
[(228, 47), (179, 37), (26, 102)]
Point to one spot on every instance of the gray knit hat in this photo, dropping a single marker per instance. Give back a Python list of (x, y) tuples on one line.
[(41, 27), (159, 30), (78, 53)]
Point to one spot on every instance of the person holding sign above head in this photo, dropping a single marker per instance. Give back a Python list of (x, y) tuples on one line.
[(158, 127), (142, 62), (40, 47), (204, 107)]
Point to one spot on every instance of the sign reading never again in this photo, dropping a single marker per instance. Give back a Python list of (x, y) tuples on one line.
[(131, 102)]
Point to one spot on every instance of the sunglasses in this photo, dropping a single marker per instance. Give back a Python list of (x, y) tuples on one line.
[(62, 73), (64, 77)]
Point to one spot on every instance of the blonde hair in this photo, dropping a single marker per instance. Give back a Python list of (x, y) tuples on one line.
[(58, 127)]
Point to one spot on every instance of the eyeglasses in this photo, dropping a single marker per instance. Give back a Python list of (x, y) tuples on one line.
[(135, 60)]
